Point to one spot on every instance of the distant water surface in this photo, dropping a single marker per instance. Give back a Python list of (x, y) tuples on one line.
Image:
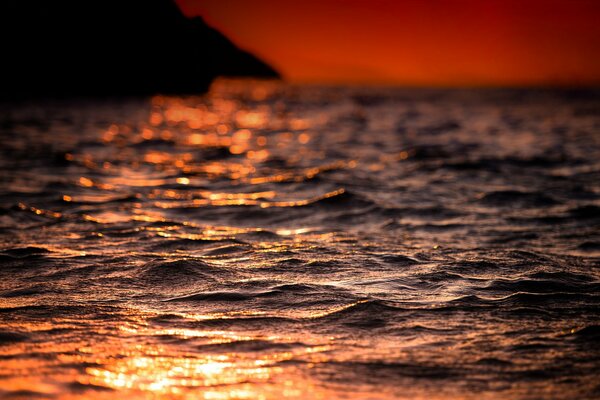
[(268, 241)]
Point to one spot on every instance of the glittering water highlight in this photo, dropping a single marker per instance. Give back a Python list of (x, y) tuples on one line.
[(274, 241)]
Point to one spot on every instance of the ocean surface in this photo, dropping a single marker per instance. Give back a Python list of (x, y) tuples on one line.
[(270, 241)]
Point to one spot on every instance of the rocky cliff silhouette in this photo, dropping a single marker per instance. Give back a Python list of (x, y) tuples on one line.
[(112, 47)]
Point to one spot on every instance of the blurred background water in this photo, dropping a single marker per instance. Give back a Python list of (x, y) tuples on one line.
[(270, 241)]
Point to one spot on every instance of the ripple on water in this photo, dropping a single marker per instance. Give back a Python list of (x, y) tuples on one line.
[(272, 241)]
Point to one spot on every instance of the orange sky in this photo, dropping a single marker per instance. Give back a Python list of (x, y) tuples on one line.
[(417, 42)]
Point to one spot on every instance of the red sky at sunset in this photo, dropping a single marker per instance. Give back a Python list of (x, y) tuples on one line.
[(428, 42)]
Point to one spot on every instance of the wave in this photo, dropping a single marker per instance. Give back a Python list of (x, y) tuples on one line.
[(179, 271), (252, 345), (512, 198), (24, 252), (12, 337), (371, 242), (363, 314), (540, 286)]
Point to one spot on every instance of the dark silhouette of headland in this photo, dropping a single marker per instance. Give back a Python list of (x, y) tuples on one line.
[(63, 48)]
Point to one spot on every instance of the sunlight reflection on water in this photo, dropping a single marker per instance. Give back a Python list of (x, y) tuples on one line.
[(268, 241)]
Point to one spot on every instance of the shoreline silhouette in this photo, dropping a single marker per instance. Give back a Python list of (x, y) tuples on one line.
[(68, 48)]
